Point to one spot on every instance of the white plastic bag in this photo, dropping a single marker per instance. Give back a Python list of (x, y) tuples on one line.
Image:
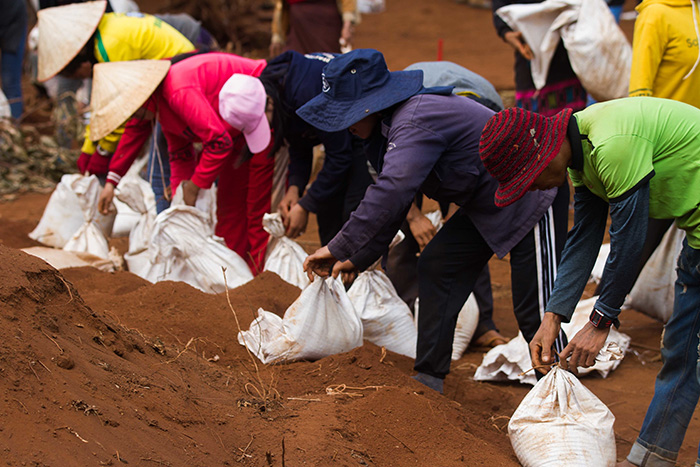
[(654, 292), (598, 50), (386, 319), (560, 422), (284, 257), (321, 322), (64, 213), (183, 248), (511, 361)]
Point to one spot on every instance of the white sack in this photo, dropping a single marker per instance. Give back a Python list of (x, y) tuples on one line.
[(64, 213), (4, 106), (89, 238), (598, 50), (284, 257), (560, 422), (136, 194), (321, 322), (127, 216), (183, 248), (509, 361), (62, 259), (653, 293), (467, 321), (386, 319), (599, 266)]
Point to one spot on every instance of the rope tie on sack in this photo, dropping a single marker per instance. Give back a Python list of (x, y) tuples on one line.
[(697, 36)]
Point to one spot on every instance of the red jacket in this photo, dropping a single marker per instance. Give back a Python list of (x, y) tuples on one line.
[(187, 105)]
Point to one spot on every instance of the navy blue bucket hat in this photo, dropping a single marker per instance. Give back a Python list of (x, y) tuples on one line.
[(355, 85)]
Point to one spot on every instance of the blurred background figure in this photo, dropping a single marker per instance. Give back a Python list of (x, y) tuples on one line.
[(308, 26), (13, 35)]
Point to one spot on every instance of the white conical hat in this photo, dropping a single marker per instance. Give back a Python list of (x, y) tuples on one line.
[(119, 89), (63, 32)]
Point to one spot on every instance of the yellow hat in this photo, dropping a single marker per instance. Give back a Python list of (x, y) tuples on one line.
[(119, 89), (63, 32)]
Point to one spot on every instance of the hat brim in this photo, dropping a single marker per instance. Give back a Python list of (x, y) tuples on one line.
[(509, 193), (258, 139), (329, 114)]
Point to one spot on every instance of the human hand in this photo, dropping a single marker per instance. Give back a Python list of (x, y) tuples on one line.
[(541, 344), (583, 348), (346, 34), (349, 276), (189, 192), (83, 162), (422, 229), (320, 262), (517, 41), (296, 221), (104, 203), (291, 197)]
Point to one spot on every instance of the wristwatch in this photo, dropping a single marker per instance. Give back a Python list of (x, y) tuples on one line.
[(599, 320)]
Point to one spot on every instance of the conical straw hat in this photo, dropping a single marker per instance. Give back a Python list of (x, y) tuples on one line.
[(63, 32), (119, 89)]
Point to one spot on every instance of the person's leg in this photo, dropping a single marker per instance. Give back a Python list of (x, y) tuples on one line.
[(231, 209), (447, 270), (533, 264), (11, 65), (677, 385), (484, 299), (259, 203), (159, 169)]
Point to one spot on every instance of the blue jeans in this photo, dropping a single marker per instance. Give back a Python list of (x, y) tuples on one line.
[(159, 170), (678, 383), (11, 65)]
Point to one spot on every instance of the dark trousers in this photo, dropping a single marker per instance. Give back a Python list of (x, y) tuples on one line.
[(450, 265)]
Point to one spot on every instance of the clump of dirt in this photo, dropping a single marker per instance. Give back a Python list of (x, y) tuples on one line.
[(86, 386)]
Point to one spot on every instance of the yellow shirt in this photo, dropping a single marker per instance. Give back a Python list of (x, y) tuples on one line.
[(133, 36), (665, 48)]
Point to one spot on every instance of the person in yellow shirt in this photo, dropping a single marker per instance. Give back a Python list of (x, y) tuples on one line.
[(72, 38)]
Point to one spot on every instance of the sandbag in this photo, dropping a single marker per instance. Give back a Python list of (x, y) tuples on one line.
[(89, 238), (598, 50), (560, 422), (4, 106), (65, 213), (511, 361), (183, 248), (599, 266), (654, 292), (386, 319), (284, 257), (321, 322), (136, 194), (127, 216)]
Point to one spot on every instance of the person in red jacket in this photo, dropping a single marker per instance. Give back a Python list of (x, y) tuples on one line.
[(188, 106)]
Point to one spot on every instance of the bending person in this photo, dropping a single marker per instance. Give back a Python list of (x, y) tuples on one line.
[(431, 145)]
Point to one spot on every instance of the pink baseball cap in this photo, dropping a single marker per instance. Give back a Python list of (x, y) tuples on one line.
[(242, 103)]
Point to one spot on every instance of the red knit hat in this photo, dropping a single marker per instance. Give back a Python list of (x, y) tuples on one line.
[(517, 145)]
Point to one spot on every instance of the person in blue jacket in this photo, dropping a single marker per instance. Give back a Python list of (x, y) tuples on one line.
[(431, 144)]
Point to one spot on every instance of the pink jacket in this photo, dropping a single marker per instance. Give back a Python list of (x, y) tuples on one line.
[(187, 105)]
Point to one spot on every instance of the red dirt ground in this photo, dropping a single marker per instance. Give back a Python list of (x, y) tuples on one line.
[(107, 369)]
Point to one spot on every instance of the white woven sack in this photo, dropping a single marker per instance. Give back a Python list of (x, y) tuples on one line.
[(183, 248), (89, 238), (467, 321), (599, 266), (63, 214), (321, 322), (386, 319), (511, 361), (136, 194), (654, 292), (598, 50), (4, 106), (560, 422), (284, 257)]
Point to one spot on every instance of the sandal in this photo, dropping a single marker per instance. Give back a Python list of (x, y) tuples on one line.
[(489, 340)]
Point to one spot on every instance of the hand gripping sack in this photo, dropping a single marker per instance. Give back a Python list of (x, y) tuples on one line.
[(285, 257), (321, 322), (386, 319), (64, 213), (560, 422)]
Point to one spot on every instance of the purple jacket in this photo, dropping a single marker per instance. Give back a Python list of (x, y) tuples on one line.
[(433, 146)]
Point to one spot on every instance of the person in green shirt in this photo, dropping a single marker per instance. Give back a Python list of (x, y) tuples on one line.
[(639, 158)]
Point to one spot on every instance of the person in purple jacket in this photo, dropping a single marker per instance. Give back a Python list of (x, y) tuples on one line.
[(427, 140)]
